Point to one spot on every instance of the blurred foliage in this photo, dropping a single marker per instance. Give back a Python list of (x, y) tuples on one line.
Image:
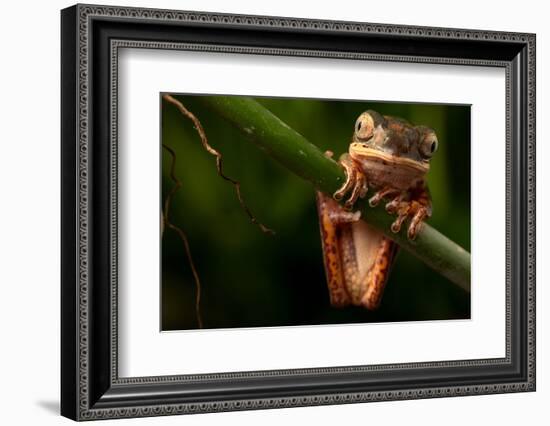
[(251, 279)]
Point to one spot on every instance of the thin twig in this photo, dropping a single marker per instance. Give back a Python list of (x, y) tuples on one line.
[(218, 156), (179, 231)]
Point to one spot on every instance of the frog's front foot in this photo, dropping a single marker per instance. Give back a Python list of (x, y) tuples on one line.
[(381, 194), (356, 182), (405, 209)]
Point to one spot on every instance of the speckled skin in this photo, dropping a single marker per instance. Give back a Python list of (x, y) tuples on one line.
[(392, 157), (357, 258)]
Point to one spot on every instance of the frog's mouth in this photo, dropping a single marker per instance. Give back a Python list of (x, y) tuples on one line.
[(369, 154)]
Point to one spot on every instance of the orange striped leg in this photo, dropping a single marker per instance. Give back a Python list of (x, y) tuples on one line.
[(331, 217), (377, 276)]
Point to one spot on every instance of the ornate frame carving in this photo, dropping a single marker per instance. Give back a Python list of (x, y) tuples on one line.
[(91, 37)]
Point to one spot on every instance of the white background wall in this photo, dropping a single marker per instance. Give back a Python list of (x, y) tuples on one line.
[(29, 212)]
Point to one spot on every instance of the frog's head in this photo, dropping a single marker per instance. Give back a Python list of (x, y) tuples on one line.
[(392, 142)]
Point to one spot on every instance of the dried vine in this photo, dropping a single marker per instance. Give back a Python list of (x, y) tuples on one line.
[(179, 231), (177, 184), (198, 126)]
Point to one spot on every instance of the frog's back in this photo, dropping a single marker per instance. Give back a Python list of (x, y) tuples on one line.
[(397, 122)]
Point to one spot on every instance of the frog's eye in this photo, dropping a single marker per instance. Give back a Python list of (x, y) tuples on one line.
[(429, 144), (364, 127)]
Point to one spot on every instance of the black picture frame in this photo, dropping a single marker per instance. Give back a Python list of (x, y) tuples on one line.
[(90, 386)]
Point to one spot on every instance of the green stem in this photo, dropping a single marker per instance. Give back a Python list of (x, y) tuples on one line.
[(303, 158)]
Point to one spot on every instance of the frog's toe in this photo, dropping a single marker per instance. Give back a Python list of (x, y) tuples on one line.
[(403, 212), (394, 205), (412, 232), (373, 201), (348, 205), (350, 182), (416, 223), (391, 207), (380, 195), (396, 225), (338, 195), (341, 193), (358, 189)]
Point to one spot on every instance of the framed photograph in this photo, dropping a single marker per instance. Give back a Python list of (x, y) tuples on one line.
[(263, 212)]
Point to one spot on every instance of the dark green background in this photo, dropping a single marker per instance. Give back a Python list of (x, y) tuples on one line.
[(250, 279)]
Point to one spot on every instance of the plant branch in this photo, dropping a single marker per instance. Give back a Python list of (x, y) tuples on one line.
[(303, 158), (179, 231), (219, 162)]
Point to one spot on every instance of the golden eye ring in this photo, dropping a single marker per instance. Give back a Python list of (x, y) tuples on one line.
[(364, 127), (428, 145)]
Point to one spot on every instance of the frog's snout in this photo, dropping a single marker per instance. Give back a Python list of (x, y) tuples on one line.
[(358, 147)]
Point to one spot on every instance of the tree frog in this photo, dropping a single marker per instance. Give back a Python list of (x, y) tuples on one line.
[(391, 157)]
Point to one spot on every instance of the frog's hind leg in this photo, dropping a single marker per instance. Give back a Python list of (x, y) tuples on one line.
[(332, 221), (373, 254), (377, 276)]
